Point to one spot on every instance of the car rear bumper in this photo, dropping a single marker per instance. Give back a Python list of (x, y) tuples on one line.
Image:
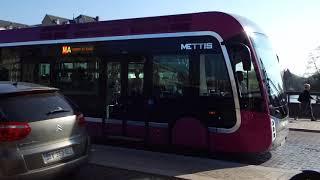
[(54, 170), (51, 171)]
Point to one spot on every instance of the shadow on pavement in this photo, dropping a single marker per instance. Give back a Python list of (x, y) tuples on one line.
[(98, 172), (252, 159)]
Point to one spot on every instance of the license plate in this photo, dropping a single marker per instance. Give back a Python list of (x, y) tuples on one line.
[(57, 155)]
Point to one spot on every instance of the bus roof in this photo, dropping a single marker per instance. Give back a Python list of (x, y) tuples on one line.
[(247, 23), (225, 25)]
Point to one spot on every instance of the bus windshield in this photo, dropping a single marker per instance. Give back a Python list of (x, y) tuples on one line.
[(270, 69)]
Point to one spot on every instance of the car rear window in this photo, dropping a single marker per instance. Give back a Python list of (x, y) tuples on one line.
[(34, 107)]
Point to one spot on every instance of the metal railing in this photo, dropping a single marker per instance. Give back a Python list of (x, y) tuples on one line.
[(293, 103)]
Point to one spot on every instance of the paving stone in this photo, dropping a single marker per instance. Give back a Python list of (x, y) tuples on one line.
[(301, 151)]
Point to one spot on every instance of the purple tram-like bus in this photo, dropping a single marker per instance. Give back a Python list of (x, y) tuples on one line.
[(204, 81)]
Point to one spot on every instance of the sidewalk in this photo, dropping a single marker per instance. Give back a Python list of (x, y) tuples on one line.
[(182, 166), (304, 125)]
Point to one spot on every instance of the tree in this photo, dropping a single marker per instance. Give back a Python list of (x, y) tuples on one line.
[(312, 72), (313, 63), (292, 82)]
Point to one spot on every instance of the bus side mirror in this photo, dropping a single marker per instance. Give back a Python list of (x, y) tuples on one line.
[(243, 54)]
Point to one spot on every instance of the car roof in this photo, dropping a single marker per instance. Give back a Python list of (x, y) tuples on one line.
[(8, 87)]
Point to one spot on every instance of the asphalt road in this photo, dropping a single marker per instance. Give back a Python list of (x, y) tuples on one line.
[(300, 152)]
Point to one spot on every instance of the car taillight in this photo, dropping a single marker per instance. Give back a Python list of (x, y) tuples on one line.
[(80, 119), (13, 131)]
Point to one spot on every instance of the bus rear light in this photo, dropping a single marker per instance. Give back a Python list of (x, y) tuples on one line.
[(81, 120), (13, 131)]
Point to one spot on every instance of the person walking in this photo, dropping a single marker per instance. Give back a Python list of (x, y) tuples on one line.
[(305, 107)]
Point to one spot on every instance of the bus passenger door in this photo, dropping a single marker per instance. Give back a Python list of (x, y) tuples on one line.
[(113, 120), (125, 115)]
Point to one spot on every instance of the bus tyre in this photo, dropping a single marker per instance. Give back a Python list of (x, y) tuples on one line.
[(189, 132)]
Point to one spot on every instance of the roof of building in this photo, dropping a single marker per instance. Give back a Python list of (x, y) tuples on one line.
[(80, 19), (7, 24), (86, 18), (54, 18)]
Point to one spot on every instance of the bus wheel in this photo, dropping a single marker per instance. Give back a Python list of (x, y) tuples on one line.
[(189, 132)]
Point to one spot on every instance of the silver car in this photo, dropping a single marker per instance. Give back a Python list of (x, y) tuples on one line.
[(42, 134)]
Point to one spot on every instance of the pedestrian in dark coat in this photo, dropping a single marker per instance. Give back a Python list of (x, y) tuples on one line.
[(305, 107)]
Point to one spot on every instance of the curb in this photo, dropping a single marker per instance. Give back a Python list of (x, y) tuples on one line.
[(304, 130)]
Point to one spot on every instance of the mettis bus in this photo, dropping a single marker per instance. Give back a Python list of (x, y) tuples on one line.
[(204, 81)]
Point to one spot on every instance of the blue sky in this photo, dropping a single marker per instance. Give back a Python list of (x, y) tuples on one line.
[(292, 25)]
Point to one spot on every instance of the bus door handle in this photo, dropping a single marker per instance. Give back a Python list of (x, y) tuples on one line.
[(108, 110)]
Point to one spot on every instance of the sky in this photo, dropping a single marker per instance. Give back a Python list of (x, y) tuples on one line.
[(292, 25)]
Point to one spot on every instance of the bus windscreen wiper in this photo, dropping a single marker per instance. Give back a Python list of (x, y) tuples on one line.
[(57, 110)]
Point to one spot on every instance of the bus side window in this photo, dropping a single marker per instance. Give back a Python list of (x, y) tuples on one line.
[(214, 79), (135, 79), (247, 81), (245, 74), (170, 75), (241, 78)]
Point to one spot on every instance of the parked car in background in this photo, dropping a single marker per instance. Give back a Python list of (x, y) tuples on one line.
[(41, 132)]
